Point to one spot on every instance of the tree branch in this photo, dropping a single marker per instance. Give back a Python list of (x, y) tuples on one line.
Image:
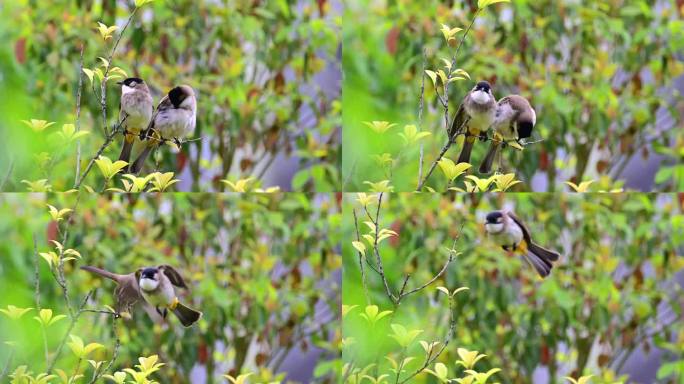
[(420, 117), (78, 116)]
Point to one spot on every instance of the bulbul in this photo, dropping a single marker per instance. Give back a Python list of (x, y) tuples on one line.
[(513, 236), (135, 110), (514, 120), (157, 288), (173, 120), (477, 111), (127, 292)]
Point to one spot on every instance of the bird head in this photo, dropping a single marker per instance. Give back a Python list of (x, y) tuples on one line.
[(149, 279)]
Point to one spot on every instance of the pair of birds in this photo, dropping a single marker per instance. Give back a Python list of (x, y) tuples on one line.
[(512, 117), (508, 231), (145, 128), (154, 288)]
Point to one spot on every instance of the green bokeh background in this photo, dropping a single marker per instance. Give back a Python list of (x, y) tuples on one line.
[(265, 74), (601, 76), (615, 292), (262, 268)]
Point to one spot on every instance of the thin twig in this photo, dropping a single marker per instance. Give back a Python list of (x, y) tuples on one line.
[(420, 117), (429, 282), (36, 261), (5, 370), (108, 140), (444, 150), (78, 117), (7, 176), (115, 354), (429, 358), (361, 257), (72, 324), (378, 260), (103, 84)]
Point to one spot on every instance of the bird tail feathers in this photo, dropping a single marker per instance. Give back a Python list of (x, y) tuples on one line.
[(186, 315)]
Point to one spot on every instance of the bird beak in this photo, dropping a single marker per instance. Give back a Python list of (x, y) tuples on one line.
[(119, 82)]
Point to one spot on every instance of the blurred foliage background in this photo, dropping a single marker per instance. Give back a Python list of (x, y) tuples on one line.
[(605, 78), (612, 306), (266, 75), (264, 269)]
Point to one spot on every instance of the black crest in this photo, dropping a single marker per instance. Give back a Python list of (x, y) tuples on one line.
[(483, 86), (149, 272), (493, 217), (132, 81), (176, 96)]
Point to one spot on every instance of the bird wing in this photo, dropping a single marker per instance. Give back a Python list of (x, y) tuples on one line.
[(459, 118), (164, 104), (525, 231), (173, 275)]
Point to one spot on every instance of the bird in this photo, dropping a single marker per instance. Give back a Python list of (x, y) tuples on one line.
[(157, 288), (135, 112), (477, 111), (514, 120), (173, 120), (506, 229), (127, 292)]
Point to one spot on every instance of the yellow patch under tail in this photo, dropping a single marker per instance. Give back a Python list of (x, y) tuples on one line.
[(174, 304)]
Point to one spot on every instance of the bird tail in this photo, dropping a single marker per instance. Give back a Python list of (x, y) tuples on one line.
[(126, 149), (140, 161), (186, 315), (101, 272), (541, 258), (468, 143), (486, 166)]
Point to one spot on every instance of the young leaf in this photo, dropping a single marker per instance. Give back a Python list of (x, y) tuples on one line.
[(485, 3)]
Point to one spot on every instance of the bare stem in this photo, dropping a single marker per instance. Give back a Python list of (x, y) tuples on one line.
[(8, 175), (361, 257), (108, 140), (430, 358), (36, 294), (378, 259), (78, 117), (72, 324), (444, 150), (420, 117)]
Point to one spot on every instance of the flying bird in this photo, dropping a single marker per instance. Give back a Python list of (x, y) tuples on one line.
[(173, 120), (154, 288), (514, 120), (512, 235), (477, 111), (157, 287)]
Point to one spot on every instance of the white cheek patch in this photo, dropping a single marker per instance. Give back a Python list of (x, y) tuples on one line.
[(493, 228), (125, 89), (534, 117), (148, 284), (480, 97)]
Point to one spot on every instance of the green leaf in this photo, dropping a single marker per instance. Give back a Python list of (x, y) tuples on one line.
[(485, 3)]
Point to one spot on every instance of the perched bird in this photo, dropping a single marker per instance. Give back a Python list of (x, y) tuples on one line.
[(173, 120), (135, 110), (477, 111), (515, 118), (513, 236), (156, 286), (127, 292)]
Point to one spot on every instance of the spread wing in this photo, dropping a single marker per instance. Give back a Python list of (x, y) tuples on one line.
[(128, 293), (173, 275), (525, 231), (164, 104)]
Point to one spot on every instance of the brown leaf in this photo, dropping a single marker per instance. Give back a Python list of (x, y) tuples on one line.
[(392, 40), (20, 50)]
